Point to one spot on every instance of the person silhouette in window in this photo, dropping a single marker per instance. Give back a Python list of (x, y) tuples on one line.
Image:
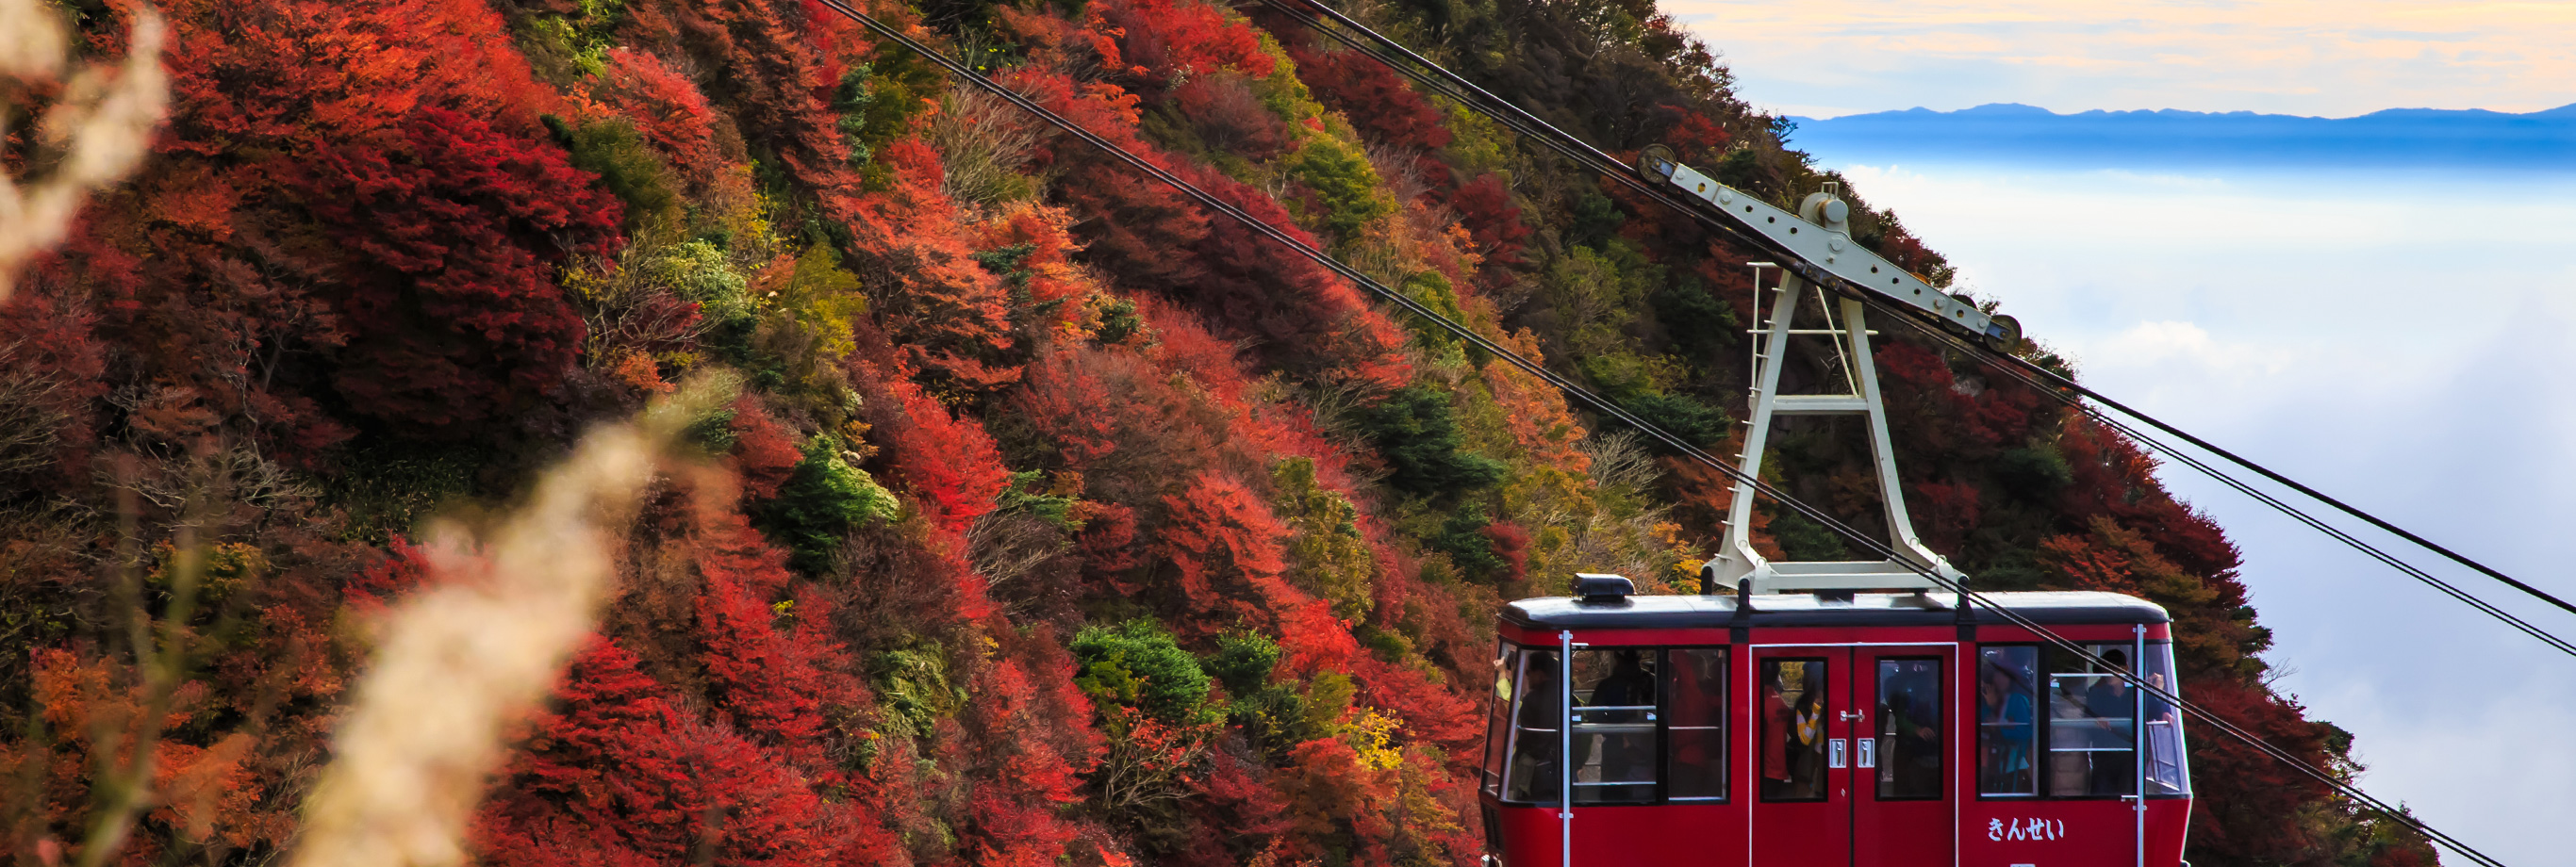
[(1909, 760), (1806, 746), (2007, 708), (1626, 757), (2112, 706), (1534, 764), (2163, 739)]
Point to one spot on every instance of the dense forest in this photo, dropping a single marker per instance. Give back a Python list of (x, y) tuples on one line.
[(1021, 512)]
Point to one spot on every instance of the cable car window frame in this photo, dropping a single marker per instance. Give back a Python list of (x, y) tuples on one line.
[(2160, 664), (1941, 738), (2052, 658), (2038, 725), (1515, 670), (1596, 741), (1763, 733), (1499, 699), (1720, 712), (2159, 661), (1512, 751)]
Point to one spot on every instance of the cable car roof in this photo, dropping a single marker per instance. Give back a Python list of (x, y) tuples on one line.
[(1799, 609)]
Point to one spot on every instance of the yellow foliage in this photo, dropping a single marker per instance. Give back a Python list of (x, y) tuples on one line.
[(1372, 738)]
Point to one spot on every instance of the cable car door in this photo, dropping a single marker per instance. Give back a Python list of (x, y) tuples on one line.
[(1802, 808), (1902, 815)]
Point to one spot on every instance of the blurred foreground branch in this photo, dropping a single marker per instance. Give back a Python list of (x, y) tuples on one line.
[(479, 647), (99, 129)]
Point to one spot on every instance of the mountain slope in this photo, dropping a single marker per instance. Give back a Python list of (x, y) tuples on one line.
[(1061, 521)]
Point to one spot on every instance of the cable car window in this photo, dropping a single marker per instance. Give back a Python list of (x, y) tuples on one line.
[(1615, 726), (2091, 730), (2168, 767), (1909, 729), (1532, 774), (1498, 711), (2007, 720), (1793, 713), (1695, 711)]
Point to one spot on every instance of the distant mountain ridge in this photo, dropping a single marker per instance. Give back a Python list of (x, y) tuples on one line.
[(2397, 137)]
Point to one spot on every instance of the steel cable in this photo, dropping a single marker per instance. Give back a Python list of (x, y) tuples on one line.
[(1606, 407)]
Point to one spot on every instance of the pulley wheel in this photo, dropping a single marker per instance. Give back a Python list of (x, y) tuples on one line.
[(1656, 162), (2009, 337)]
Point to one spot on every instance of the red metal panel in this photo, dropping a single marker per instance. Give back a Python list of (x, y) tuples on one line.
[(1660, 835)]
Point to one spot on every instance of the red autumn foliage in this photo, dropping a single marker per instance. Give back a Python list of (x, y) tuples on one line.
[(50, 377), (452, 307), (775, 83), (1485, 207), (665, 107), (1375, 100), (236, 273), (621, 775), (1250, 286), (1230, 118), (765, 452), (1167, 40), (1055, 285), (770, 680), (404, 568), (948, 464), (93, 709), (1238, 809), (2242, 815), (2114, 477), (1225, 544), (950, 316), (290, 76), (1692, 135), (1108, 541), (1512, 544), (1033, 739), (1944, 512), (1972, 419), (1068, 400)]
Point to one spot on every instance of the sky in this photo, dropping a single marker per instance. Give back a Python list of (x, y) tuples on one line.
[(2327, 58), (2395, 340)]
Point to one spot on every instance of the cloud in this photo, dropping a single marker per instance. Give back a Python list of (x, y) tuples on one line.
[(2338, 58), (2169, 345)]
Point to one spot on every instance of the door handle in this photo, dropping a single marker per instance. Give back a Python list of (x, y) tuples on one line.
[(1868, 752), (1834, 753), (1854, 715)]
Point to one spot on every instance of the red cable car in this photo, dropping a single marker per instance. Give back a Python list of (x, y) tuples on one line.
[(1860, 729), (1815, 717)]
